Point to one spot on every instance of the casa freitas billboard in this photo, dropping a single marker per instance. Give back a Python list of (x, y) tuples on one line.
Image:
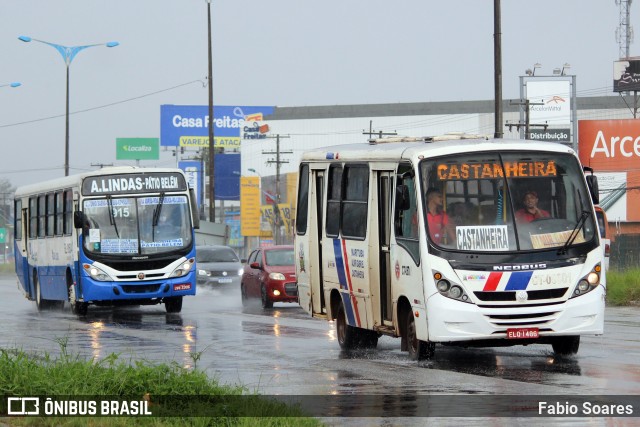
[(188, 125), (612, 149)]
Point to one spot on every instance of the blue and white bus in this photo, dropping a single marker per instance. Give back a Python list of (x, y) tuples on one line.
[(438, 240), (116, 236)]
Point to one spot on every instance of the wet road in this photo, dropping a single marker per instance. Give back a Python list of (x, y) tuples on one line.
[(283, 351)]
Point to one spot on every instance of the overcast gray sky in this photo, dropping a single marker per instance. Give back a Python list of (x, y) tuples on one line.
[(278, 52)]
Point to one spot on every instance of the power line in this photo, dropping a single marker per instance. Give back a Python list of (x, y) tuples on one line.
[(102, 106)]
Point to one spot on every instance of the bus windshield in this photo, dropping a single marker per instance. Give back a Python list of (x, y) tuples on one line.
[(498, 202), (136, 225)]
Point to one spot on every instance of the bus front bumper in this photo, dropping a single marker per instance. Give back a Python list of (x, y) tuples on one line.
[(449, 320), (93, 290)]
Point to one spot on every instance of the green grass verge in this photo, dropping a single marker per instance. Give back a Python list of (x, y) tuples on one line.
[(25, 375), (623, 287)]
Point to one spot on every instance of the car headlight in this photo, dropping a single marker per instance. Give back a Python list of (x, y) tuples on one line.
[(203, 272), (240, 271), (96, 273), (183, 269), (276, 276)]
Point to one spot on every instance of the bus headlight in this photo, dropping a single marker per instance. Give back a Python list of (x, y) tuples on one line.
[(443, 286), (455, 292), (588, 282), (184, 268), (449, 290), (97, 273)]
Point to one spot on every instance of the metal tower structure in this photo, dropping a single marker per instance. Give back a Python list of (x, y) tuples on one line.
[(624, 32)]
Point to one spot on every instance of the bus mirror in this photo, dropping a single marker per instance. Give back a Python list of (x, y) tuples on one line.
[(78, 219), (403, 199), (592, 183)]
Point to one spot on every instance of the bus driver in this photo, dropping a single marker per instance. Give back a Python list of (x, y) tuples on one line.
[(531, 211), (439, 223)]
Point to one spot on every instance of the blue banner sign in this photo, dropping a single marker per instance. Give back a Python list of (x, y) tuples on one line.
[(188, 125)]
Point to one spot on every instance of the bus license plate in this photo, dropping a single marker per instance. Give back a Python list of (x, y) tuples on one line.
[(182, 287), (522, 333)]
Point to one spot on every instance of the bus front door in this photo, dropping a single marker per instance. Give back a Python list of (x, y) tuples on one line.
[(385, 184), (315, 271)]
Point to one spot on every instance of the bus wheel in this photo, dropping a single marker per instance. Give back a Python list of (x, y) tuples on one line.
[(418, 349), (266, 303), (348, 336), (77, 307), (368, 339), (566, 346), (173, 304)]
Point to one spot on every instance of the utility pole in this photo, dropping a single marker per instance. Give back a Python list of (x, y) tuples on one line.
[(377, 132), (212, 144), (497, 66), (278, 161), (526, 125)]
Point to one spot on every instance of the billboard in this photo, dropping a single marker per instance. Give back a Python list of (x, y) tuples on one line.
[(626, 75), (188, 125), (194, 174), (552, 99), (137, 149), (250, 205), (612, 149), (227, 176)]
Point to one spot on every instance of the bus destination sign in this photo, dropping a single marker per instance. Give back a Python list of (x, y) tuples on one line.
[(133, 183), (466, 171)]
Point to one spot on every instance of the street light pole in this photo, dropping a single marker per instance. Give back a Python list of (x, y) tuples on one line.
[(212, 150), (68, 53)]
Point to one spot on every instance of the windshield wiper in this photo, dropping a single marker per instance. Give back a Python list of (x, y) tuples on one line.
[(574, 233), (156, 216), (112, 218), (158, 209)]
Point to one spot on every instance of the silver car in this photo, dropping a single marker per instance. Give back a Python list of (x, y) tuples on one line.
[(218, 266)]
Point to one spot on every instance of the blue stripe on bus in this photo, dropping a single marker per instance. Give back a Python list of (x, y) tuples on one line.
[(337, 251), (518, 281), (342, 278), (346, 300)]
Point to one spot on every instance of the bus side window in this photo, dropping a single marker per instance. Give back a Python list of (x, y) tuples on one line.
[(406, 216), (334, 195)]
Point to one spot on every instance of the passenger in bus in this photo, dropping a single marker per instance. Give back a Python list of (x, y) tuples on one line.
[(441, 227), (531, 211)]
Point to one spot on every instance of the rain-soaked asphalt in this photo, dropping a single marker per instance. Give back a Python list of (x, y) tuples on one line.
[(282, 351)]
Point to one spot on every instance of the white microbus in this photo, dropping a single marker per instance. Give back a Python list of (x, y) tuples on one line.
[(116, 236), (457, 240)]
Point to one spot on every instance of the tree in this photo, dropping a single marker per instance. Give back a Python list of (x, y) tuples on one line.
[(6, 201)]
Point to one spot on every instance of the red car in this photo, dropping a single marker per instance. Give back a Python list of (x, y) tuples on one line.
[(270, 275)]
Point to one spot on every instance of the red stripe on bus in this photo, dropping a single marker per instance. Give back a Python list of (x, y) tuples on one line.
[(492, 281)]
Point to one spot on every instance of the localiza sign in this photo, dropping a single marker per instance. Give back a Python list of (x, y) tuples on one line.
[(188, 125), (137, 149)]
